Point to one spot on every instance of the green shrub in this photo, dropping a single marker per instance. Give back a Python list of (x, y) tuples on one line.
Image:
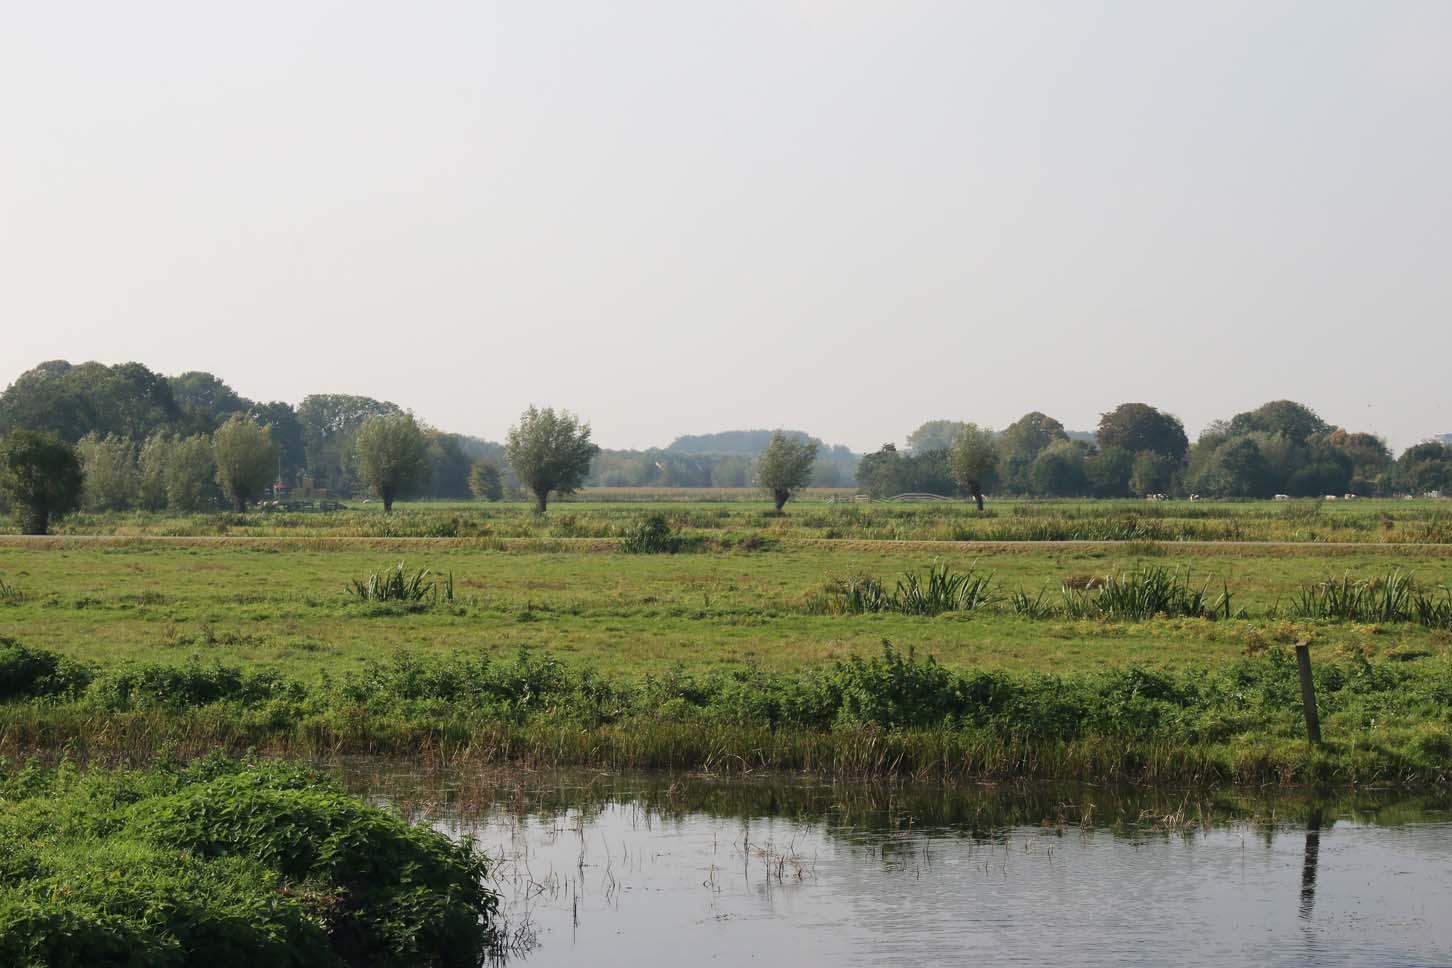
[(194, 684), (26, 673), (230, 866)]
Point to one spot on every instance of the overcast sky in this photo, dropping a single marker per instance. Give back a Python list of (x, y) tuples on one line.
[(683, 217)]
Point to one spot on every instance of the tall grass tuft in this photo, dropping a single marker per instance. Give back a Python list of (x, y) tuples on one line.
[(1143, 593), (397, 585), (1393, 598), (941, 590), (1021, 603), (10, 594), (652, 535)]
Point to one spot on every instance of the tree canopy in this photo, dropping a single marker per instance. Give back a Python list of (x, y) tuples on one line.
[(934, 435), (246, 460), (392, 454), (40, 478), (973, 459), (550, 452), (1139, 427), (786, 467)]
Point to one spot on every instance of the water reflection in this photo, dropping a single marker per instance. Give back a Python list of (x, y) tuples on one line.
[(1310, 861), (654, 870)]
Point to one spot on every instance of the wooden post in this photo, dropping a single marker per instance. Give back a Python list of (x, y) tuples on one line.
[(1308, 693)]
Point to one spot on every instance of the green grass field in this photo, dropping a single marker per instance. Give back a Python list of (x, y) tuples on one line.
[(269, 592), (286, 606)]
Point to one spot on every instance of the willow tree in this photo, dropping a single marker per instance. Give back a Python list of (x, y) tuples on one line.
[(246, 460), (786, 467), (550, 452), (392, 454), (972, 459)]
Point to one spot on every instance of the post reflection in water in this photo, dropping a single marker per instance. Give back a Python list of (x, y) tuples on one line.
[(1311, 860)]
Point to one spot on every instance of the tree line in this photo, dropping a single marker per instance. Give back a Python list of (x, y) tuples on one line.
[(138, 439), (1280, 447), (129, 404)]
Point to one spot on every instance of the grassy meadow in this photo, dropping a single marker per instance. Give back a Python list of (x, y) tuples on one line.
[(654, 652)]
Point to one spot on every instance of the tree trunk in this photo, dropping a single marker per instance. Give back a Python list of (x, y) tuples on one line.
[(37, 521), (781, 499), (541, 499), (977, 493), (240, 504), (387, 493)]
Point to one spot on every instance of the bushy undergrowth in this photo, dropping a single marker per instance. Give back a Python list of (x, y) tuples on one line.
[(1391, 720), (227, 865), (27, 673)]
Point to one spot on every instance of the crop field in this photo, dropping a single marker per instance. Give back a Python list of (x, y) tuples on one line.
[(323, 599)]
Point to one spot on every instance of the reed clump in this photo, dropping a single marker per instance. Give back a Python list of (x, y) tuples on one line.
[(396, 584), (1394, 597), (941, 590)]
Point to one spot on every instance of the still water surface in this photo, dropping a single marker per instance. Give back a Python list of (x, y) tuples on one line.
[(648, 870)]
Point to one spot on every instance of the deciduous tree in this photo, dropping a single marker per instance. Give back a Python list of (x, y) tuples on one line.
[(785, 467), (973, 458), (550, 452), (1139, 427), (485, 482), (392, 454), (40, 478), (246, 460)]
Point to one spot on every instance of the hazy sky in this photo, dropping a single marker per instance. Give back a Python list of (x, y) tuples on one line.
[(689, 216)]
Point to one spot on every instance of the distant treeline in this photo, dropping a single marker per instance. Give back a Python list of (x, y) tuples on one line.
[(134, 426), (1281, 447)]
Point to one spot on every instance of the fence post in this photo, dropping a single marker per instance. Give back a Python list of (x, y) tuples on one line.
[(1308, 693)]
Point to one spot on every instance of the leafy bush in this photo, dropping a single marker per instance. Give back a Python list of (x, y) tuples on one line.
[(894, 690), (26, 673), (155, 686), (227, 865)]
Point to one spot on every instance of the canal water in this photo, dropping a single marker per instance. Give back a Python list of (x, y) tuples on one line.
[(647, 870)]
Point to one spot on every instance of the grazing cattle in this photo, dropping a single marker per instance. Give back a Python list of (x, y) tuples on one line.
[(1330, 497), (1194, 497), (1283, 497), (1348, 497)]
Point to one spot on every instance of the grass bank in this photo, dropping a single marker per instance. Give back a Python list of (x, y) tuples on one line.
[(628, 616), (890, 715)]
